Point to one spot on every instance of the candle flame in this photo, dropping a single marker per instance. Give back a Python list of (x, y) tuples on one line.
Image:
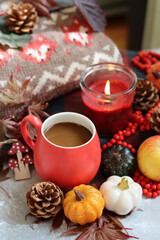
[(107, 87)]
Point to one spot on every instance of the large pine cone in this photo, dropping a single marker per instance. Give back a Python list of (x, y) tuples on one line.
[(146, 95), (155, 119), (45, 199), (21, 17)]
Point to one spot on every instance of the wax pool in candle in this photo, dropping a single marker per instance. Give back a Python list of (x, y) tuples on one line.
[(109, 116)]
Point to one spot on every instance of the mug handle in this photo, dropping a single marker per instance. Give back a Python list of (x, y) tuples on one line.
[(37, 124)]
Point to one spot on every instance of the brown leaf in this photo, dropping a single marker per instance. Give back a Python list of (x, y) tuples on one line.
[(28, 214), (99, 235), (57, 221), (116, 221), (11, 127), (36, 221), (41, 9), (93, 13), (120, 235), (15, 94), (90, 236), (112, 225), (105, 237), (37, 107), (86, 234), (5, 192), (32, 132), (3, 172), (107, 227), (67, 221), (48, 3), (25, 85), (2, 131), (42, 6), (4, 178), (117, 234), (74, 230)]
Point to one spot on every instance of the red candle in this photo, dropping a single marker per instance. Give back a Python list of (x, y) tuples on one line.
[(109, 111)]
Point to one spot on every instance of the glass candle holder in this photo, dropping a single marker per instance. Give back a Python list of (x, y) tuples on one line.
[(111, 110)]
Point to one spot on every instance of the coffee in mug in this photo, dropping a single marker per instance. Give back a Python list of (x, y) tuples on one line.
[(68, 134)]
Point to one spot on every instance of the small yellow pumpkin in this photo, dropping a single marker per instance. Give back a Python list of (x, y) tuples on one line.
[(83, 204)]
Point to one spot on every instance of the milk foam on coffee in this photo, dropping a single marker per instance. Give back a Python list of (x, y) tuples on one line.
[(68, 134)]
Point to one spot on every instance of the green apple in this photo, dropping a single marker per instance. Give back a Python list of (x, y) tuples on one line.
[(148, 158)]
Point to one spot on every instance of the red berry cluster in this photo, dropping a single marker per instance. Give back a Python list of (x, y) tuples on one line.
[(138, 121), (150, 188), (119, 137), (145, 59), (142, 121)]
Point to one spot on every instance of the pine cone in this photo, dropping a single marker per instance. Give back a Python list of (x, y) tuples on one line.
[(146, 95), (21, 17), (155, 119), (45, 199)]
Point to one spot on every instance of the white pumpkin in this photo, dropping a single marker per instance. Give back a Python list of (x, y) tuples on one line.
[(121, 194)]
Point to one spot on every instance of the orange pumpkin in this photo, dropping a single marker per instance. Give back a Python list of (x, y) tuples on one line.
[(83, 204)]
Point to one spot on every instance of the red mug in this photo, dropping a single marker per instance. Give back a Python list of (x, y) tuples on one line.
[(65, 166)]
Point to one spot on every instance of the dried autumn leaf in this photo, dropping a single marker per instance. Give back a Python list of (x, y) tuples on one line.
[(5, 192), (67, 221), (32, 132), (10, 128), (2, 131), (107, 227), (74, 230), (42, 6), (37, 107), (36, 221), (3, 172), (16, 93), (41, 9), (88, 233), (99, 235), (57, 221), (116, 221), (93, 13)]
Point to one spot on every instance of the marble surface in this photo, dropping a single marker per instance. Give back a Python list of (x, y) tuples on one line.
[(145, 223)]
